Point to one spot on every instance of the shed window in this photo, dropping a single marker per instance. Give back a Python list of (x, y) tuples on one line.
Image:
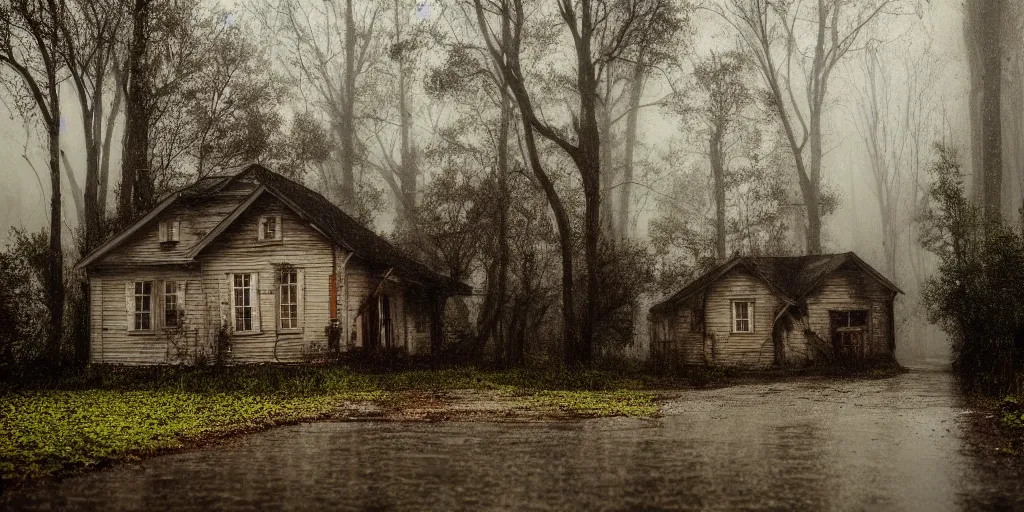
[(143, 312), (742, 316), (242, 293), (289, 299)]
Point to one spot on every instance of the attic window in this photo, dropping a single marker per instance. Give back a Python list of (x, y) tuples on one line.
[(170, 231), (269, 228)]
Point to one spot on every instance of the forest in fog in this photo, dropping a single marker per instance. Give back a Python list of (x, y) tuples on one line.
[(573, 160)]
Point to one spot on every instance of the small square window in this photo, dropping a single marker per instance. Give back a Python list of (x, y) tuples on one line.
[(170, 231), (270, 228)]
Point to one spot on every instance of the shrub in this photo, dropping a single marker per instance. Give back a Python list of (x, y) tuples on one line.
[(23, 314), (977, 294)]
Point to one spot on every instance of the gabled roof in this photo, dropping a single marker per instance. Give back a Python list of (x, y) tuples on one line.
[(790, 277), (328, 219)]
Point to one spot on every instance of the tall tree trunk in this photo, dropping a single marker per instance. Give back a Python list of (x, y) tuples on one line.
[(715, 152), (348, 115), (589, 163), (564, 239), (407, 178), (93, 209), (55, 267), (490, 322), (108, 138), (607, 165), (636, 90), (137, 182), (982, 27)]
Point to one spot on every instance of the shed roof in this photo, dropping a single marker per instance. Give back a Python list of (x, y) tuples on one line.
[(792, 277)]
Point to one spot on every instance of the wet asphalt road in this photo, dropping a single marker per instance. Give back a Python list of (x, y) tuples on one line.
[(889, 444)]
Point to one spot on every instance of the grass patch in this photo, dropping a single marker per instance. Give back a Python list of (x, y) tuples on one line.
[(51, 431), (599, 403)]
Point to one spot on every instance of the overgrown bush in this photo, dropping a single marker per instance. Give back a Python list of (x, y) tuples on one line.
[(977, 294), (23, 315), (625, 271)]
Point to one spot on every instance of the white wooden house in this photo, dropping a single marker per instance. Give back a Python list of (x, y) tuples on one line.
[(257, 267)]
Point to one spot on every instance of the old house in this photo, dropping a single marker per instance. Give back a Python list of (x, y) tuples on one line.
[(253, 267), (782, 311)]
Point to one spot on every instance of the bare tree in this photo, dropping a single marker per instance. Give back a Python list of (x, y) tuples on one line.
[(92, 30), (30, 49), (327, 47), (599, 32), (895, 117), (724, 93), (796, 47)]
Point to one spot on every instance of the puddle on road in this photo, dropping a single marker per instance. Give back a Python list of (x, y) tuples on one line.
[(890, 444)]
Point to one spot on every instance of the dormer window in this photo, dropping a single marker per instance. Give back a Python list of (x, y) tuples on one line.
[(170, 232), (269, 228)]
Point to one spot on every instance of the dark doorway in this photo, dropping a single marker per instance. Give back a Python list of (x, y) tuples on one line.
[(371, 325), (848, 331), (386, 331)]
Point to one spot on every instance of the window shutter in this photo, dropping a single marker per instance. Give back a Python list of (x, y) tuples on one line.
[(300, 289), (129, 305), (175, 230), (226, 302), (180, 297), (278, 232), (257, 325), (163, 232), (261, 228)]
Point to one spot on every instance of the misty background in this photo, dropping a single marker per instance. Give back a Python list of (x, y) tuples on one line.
[(918, 48)]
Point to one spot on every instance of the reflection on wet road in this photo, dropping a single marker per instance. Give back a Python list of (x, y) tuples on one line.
[(890, 444)]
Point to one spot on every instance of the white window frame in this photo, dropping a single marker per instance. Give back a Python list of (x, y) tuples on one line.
[(749, 319), (253, 299), (288, 295), (136, 312), (261, 230), (178, 292)]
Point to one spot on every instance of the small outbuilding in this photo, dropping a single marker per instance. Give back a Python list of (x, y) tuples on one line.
[(252, 267), (757, 312)]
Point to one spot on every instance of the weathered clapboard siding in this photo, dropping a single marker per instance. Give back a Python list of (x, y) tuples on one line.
[(851, 288), (196, 222), (357, 281), (238, 250), (740, 349), (95, 317), (114, 342)]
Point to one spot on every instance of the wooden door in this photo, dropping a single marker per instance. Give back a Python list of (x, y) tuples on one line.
[(371, 326), (849, 334)]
